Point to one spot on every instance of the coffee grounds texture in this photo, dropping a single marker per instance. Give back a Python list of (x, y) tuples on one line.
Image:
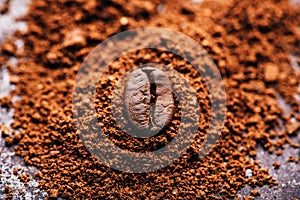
[(251, 42)]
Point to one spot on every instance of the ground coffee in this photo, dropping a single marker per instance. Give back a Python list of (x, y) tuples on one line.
[(252, 43)]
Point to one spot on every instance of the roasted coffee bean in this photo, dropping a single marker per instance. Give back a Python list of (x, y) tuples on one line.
[(148, 98)]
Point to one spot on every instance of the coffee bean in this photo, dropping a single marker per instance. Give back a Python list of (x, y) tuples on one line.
[(148, 98)]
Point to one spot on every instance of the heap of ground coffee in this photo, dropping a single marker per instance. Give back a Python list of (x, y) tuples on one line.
[(250, 41)]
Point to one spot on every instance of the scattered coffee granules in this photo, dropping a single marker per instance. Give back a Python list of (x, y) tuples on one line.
[(9, 194), (4, 7), (255, 193), (25, 178), (276, 165), (251, 42)]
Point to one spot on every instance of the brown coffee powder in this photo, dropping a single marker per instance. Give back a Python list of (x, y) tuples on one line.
[(250, 41)]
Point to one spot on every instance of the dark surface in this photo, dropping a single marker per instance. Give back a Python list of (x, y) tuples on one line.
[(288, 175)]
